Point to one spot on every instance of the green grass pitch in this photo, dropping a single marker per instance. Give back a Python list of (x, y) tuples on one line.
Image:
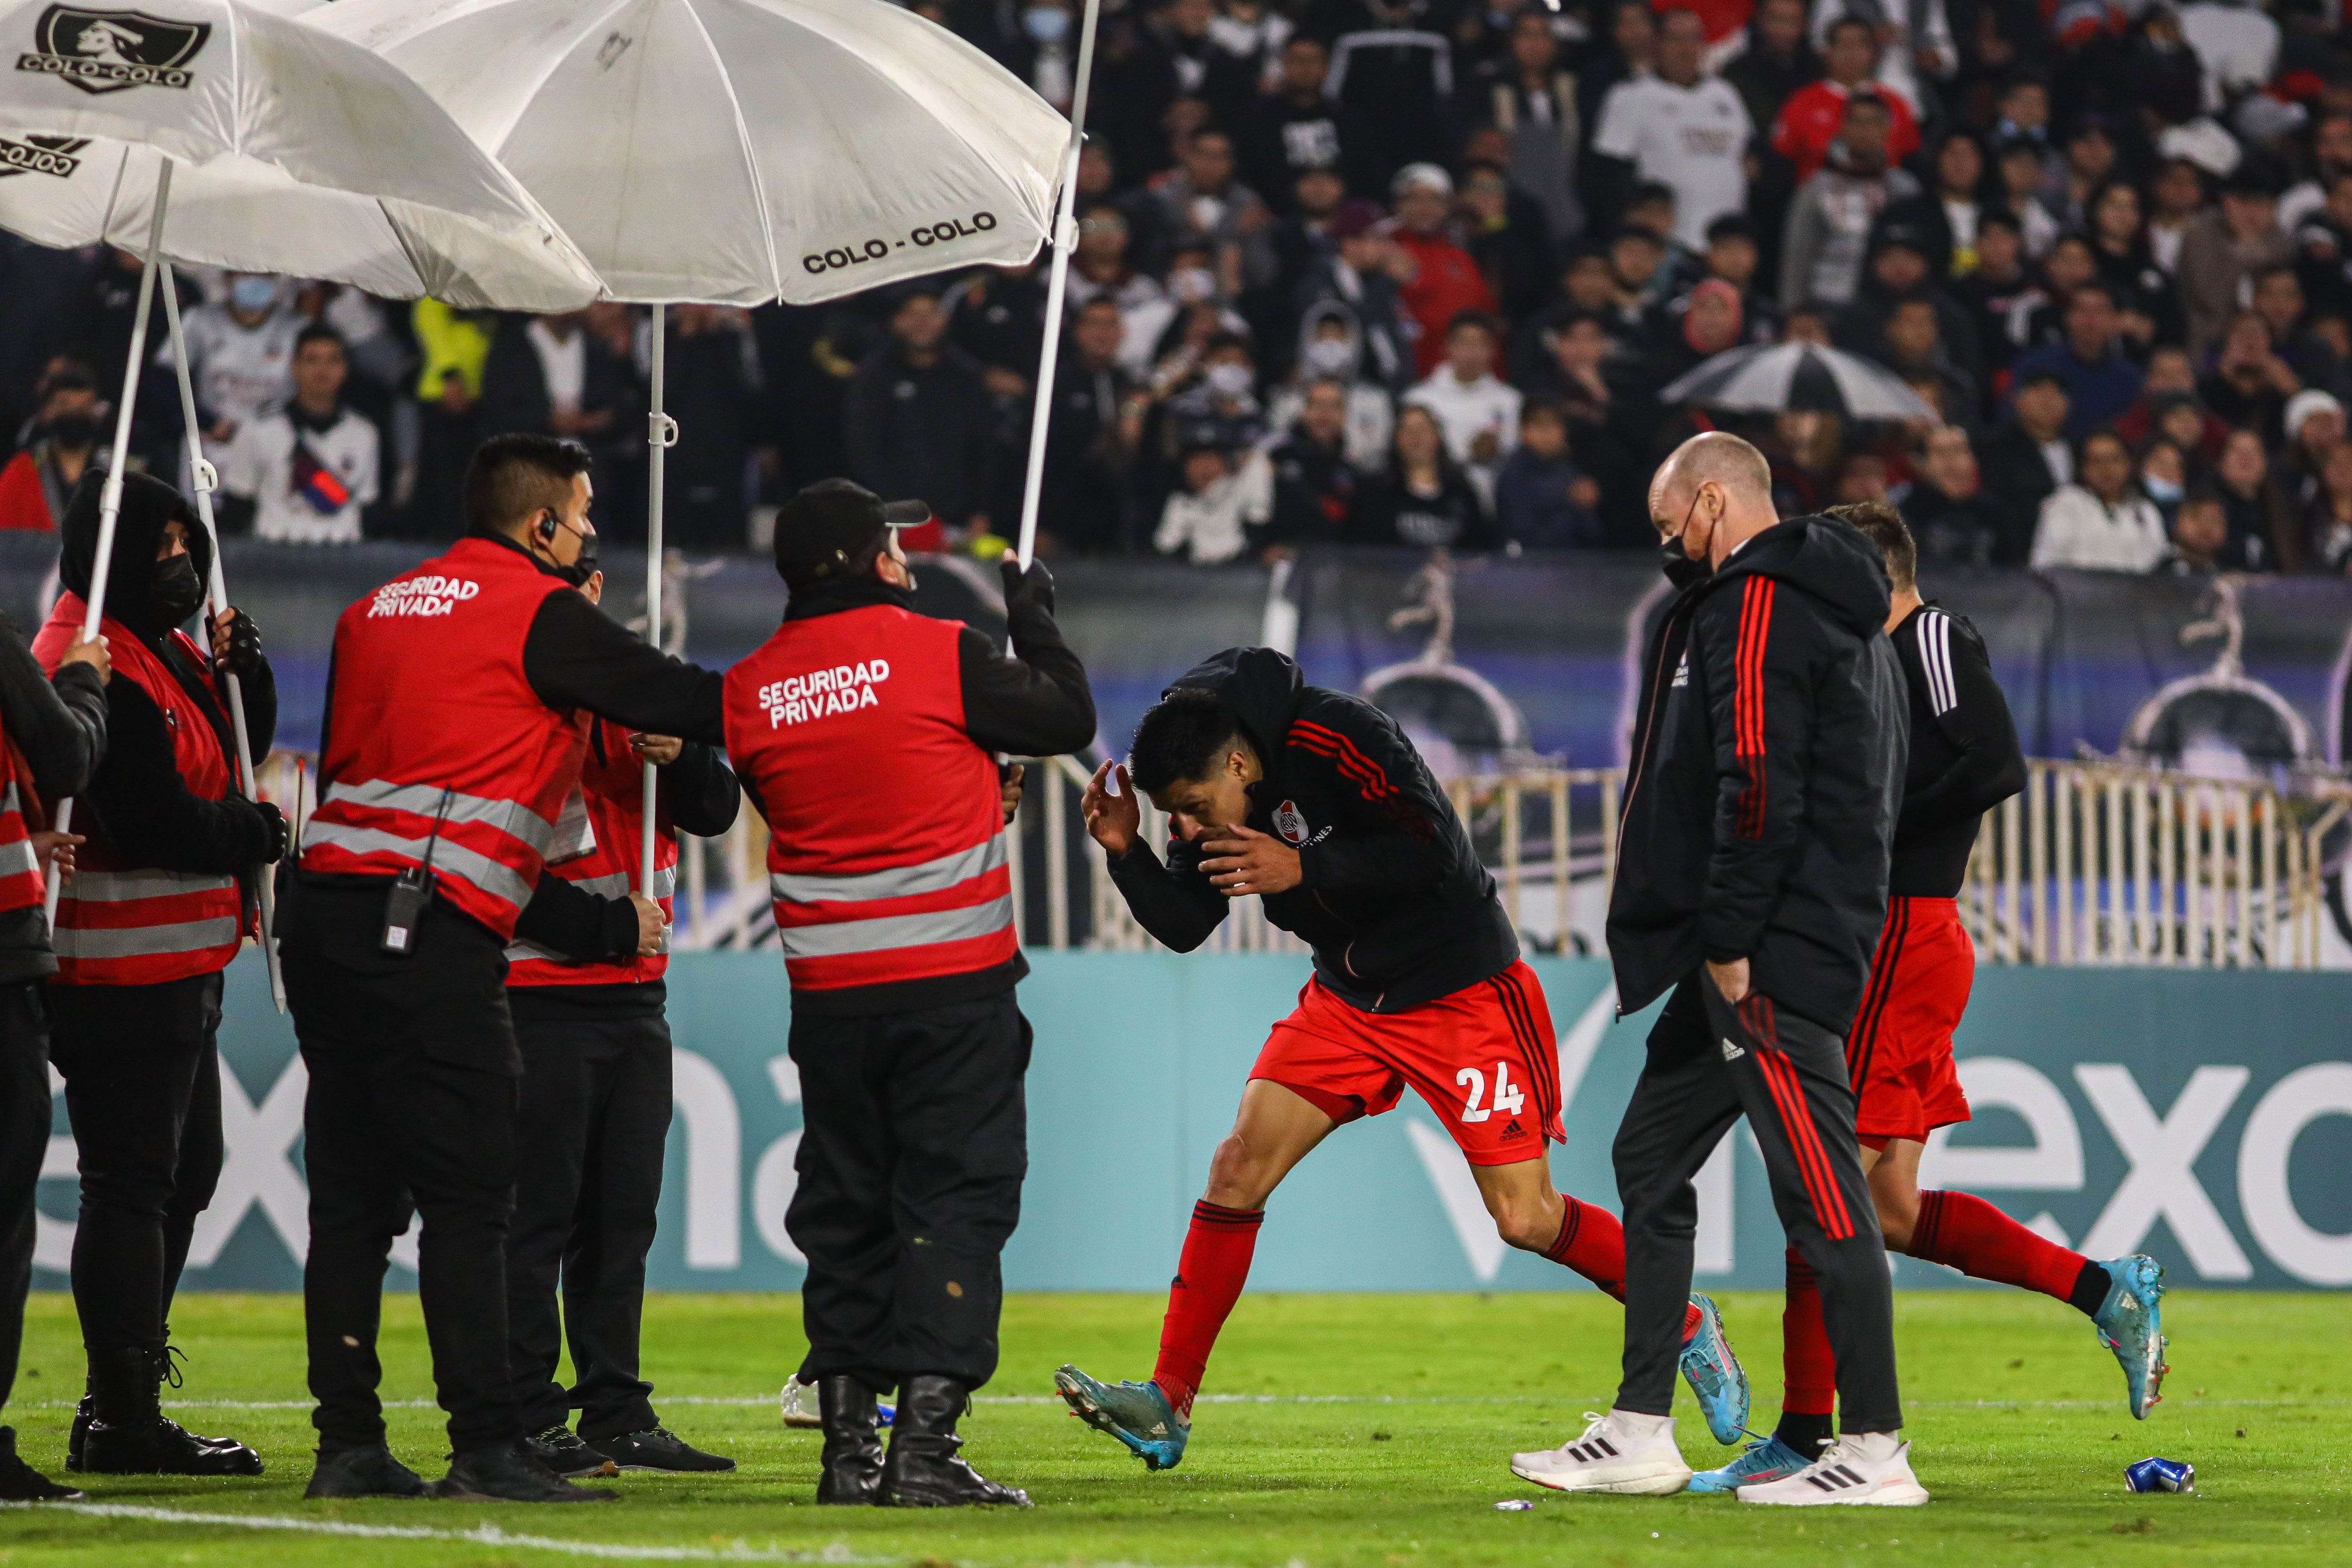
[(1348, 1432)]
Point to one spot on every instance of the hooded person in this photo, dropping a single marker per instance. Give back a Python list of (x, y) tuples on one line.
[(1331, 348), (163, 895)]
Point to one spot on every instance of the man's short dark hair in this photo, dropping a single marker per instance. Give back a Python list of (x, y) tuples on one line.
[(68, 375), (320, 332), (1829, 34), (515, 475), (2047, 375), (1731, 225), (1884, 527), (2097, 286), (2201, 497), (1484, 321), (1180, 740), (1999, 217)]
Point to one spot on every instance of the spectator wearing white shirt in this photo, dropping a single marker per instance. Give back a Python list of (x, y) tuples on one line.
[(2102, 524), (1208, 518), (308, 470), (1682, 129), (240, 356), (1478, 413)]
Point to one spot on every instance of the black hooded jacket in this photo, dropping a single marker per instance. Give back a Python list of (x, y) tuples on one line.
[(141, 805), (1767, 773), (1391, 896)]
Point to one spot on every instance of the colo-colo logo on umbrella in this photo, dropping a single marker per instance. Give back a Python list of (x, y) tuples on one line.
[(107, 51), (41, 155)]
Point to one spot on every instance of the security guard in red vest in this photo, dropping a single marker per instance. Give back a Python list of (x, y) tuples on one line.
[(453, 735), (161, 899), (596, 1100), (52, 737), (863, 732)]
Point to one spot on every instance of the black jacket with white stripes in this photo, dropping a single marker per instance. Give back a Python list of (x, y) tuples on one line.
[(1965, 758)]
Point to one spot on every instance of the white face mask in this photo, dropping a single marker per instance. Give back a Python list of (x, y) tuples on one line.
[(2162, 492), (1190, 285), (1228, 380), (1330, 356), (1046, 23)]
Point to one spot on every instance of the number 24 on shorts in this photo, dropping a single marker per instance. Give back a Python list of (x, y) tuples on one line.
[(1507, 1095)]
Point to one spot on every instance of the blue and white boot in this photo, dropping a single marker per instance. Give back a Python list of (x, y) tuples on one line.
[(1715, 1376), (1136, 1413), (1765, 1459), (2131, 1323)]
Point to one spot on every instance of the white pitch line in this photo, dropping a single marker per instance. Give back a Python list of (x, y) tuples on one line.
[(480, 1535)]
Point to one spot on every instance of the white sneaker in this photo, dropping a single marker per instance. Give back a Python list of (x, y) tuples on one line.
[(1608, 1459), (1849, 1471), (799, 1402)]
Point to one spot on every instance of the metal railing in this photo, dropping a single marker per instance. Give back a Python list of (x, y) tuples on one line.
[(2094, 863)]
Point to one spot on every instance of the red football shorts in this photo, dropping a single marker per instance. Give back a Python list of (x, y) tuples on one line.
[(1485, 1058), (1899, 1056)]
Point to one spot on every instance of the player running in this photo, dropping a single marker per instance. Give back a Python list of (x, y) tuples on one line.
[(1315, 802), (1964, 760)]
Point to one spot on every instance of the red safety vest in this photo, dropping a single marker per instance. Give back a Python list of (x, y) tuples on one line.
[(599, 839), (889, 856), (20, 872), (120, 924), (432, 719)]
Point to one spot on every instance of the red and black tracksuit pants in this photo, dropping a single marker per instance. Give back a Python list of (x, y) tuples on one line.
[(1709, 1064)]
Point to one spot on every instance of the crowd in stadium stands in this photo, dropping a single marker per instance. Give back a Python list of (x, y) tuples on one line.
[(1417, 272)]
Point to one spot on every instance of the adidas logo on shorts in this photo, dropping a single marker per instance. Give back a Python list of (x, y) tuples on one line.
[(1513, 1130)]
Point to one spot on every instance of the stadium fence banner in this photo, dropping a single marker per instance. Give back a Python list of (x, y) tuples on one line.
[(2203, 1117)]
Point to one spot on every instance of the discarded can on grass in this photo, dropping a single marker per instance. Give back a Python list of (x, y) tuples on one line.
[(1513, 1505), (2161, 1475)]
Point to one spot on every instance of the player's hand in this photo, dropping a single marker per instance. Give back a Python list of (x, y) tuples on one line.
[(92, 653), (54, 852), (1009, 791), (1113, 820), (1731, 979), (653, 932), (659, 749), (1241, 861)]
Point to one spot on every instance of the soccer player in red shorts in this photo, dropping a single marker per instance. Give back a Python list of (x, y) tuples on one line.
[(1317, 802), (1964, 760)]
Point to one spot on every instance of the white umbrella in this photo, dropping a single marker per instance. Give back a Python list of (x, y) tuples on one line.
[(1772, 378), (283, 130), (736, 152)]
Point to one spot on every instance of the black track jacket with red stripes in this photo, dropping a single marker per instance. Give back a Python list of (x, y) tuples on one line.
[(1767, 773), (1394, 899)]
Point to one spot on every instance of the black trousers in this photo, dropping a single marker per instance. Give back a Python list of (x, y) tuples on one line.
[(143, 1090), (910, 1163), (412, 1107), (23, 1142), (595, 1119), (1709, 1064)]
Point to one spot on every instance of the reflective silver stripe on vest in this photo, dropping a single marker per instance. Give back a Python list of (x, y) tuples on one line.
[(882, 934), (18, 858), (145, 942), (498, 880), (898, 882), (123, 887), (425, 800), (524, 952)]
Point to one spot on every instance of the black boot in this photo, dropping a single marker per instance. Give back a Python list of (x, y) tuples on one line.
[(924, 1469), (128, 1436), (510, 1472), (19, 1482), (853, 1450), (79, 1432), (363, 1472)]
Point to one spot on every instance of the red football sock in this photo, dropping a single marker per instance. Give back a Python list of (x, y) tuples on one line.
[(1209, 1277), (1808, 1369), (1967, 1233), (1592, 1243)]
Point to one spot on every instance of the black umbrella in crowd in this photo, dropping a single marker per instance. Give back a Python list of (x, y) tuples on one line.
[(1777, 378)]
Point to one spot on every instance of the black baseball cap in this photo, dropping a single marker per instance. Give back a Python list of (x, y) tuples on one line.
[(832, 525)]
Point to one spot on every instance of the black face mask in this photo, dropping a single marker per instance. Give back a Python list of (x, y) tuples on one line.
[(175, 590), (584, 566), (73, 430), (1680, 570)]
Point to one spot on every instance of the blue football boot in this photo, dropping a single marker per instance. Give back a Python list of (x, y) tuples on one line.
[(1765, 1459), (1715, 1376), (2130, 1323), (1136, 1413)]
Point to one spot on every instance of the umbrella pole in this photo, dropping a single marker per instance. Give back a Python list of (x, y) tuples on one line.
[(202, 475), (109, 501), (661, 435), (1065, 239)]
